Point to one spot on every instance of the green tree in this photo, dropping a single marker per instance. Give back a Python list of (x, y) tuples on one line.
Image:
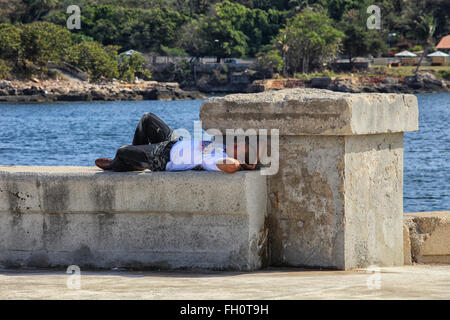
[(297, 6), (5, 69), (173, 52), (337, 8), (93, 58), (426, 26), (257, 25), (214, 36), (270, 4), (377, 45), (191, 40), (130, 28), (35, 9), (10, 42), (44, 41), (9, 10), (132, 65), (282, 43), (25, 11), (267, 63), (401, 16), (222, 39), (311, 40), (239, 31), (193, 7), (355, 42), (441, 12), (358, 39)]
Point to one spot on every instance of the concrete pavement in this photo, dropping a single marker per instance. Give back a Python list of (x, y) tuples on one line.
[(409, 282)]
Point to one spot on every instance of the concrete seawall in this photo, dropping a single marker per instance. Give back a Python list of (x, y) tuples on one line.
[(336, 200), (61, 216)]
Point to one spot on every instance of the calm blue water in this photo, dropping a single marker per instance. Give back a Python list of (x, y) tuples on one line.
[(78, 133), (427, 157)]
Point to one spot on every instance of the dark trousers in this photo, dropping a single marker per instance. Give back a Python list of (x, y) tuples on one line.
[(152, 142)]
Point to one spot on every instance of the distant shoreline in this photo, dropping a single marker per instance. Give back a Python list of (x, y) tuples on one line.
[(37, 91), (421, 83), (58, 90)]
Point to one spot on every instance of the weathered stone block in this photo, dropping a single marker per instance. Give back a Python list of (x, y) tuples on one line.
[(336, 200), (59, 216), (406, 246), (429, 236), (313, 112)]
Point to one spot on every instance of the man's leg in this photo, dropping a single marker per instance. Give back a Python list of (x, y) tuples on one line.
[(152, 129), (153, 157)]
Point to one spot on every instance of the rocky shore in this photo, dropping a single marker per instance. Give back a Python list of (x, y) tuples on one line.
[(420, 83), (64, 90), (60, 90)]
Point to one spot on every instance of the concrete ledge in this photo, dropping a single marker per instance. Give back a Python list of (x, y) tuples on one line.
[(313, 112), (427, 237), (58, 216)]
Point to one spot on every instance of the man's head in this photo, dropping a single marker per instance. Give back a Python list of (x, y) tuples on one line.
[(245, 151)]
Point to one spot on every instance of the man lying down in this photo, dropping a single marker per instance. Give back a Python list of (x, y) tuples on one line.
[(156, 147)]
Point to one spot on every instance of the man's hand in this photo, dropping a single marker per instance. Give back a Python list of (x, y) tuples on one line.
[(248, 166), (228, 165)]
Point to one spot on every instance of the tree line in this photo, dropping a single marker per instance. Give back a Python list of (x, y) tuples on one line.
[(286, 36), (26, 50)]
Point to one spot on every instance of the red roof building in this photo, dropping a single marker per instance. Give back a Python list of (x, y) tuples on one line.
[(444, 44)]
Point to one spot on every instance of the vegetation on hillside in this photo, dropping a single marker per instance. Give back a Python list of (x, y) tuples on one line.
[(286, 36)]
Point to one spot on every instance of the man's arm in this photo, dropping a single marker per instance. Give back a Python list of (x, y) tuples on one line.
[(228, 165)]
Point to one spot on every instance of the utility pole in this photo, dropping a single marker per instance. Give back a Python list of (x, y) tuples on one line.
[(389, 47), (218, 47)]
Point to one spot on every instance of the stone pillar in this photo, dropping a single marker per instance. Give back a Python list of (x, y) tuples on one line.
[(337, 199)]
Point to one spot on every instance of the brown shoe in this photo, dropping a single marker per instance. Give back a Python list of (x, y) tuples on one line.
[(103, 163)]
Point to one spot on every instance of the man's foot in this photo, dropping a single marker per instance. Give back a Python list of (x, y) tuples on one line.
[(103, 163)]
